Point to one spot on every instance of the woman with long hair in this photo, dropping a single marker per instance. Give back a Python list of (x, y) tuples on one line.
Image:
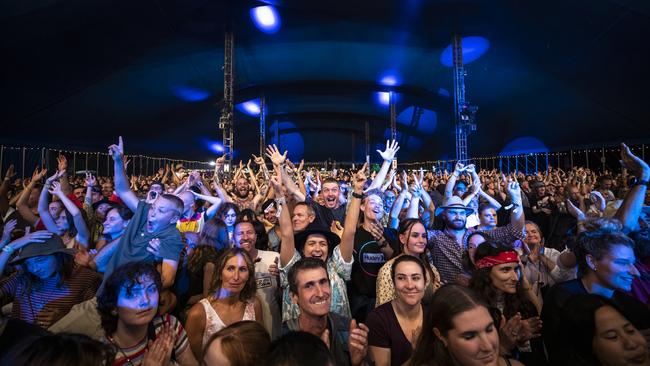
[(128, 305), (228, 213), (498, 280), (413, 240), (49, 283), (395, 325), (232, 299), (459, 329)]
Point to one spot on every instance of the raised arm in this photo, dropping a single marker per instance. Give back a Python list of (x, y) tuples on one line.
[(352, 216), (449, 187), (4, 190), (630, 210), (517, 219), (83, 234), (121, 181), (21, 205), (62, 166), (35, 237), (43, 205), (288, 247), (214, 201), (388, 155)]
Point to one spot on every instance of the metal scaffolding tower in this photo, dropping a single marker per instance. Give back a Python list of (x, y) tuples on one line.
[(262, 125), (393, 115), (464, 113), (226, 121)]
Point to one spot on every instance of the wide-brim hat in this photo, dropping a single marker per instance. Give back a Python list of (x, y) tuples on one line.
[(52, 245), (538, 184), (300, 238), (452, 203), (98, 203)]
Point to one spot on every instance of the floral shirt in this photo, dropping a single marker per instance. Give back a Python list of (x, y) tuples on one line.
[(338, 271)]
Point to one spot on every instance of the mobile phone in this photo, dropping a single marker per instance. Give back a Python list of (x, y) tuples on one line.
[(153, 194)]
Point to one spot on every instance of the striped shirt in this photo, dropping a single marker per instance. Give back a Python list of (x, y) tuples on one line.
[(135, 355), (46, 303)]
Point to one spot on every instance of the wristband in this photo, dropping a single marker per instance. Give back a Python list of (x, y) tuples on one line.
[(8, 249), (280, 201), (359, 196)]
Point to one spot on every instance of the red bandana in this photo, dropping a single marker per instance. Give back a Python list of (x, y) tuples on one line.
[(502, 258)]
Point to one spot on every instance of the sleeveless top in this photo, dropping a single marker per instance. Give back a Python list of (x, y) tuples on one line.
[(213, 322)]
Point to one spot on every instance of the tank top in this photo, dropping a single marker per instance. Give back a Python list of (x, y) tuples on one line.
[(213, 322)]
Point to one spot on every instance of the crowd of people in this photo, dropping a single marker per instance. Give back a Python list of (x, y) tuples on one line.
[(276, 263)]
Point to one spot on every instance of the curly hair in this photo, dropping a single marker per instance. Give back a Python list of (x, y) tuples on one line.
[(250, 287), (225, 207), (127, 275), (481, 282)]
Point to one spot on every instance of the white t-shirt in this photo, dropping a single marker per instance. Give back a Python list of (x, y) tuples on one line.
[(267, 291)]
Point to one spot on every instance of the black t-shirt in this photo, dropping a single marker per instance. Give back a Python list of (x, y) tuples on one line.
[(633, 310), (368, 259), (385, 332), (326, 215)]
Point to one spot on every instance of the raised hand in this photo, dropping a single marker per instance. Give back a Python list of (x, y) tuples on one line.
[(90, 180), (259, 160), (634, 164), (62, 162), (220, 160), (6, 231), (273, 153), (471, 168), (574, 211), (154, 247), (392, 147), (38, 175), (55, 177), (359, 179), (276, 183), (10, 172), (459, 168), (117, 151), (55, 189), (530, 328), (514, 191)]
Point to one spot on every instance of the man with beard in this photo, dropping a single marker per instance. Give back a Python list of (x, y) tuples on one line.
[(332, 209), (447, 245), (266, 275)]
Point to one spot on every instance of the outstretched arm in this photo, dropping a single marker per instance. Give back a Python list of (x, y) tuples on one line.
[(121, 182), (517, 219), (83, 234), (214, 201), (388, 155), (352, 216), (449, 187), (630, 210)]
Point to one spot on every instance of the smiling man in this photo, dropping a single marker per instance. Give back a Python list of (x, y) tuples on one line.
[(310, 289)]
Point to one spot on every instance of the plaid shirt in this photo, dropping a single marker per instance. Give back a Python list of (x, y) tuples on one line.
[(447, 252)]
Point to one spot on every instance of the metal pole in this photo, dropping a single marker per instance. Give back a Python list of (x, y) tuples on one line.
[(262, 124), (558, 154), (393, 117), (587, 157), (367, 137), (536, 170), (86, 162), (603, 158), (526, 164), (2, 153), (74, 163), (516, 163), (23, 170), (547, 161), (97, 165)]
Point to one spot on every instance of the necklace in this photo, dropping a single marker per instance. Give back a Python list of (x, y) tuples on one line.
[(128, 359)]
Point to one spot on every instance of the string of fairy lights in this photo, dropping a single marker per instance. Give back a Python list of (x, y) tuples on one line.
[(144, 164)]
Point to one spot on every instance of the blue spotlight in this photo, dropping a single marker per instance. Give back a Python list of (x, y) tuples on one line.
[(383, 98), (190, 94), (250, 107), (216, 147), (389, 80), (473, 48), (266, 18)]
